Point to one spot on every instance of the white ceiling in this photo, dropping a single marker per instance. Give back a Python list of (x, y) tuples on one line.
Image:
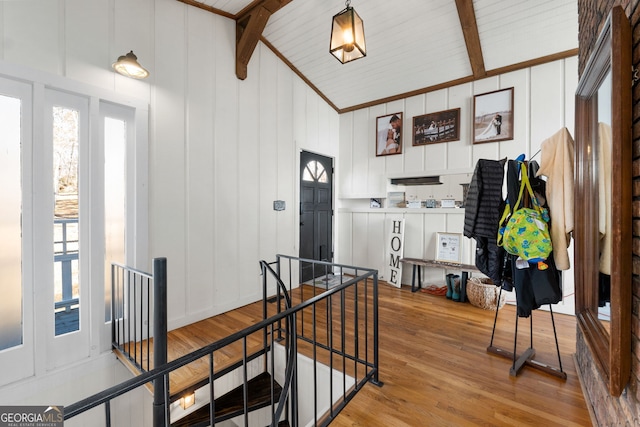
[(411, 44)]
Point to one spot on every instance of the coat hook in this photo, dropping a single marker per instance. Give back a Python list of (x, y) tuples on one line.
[(634, 75)]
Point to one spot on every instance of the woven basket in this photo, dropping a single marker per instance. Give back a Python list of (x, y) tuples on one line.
[(482, 293)]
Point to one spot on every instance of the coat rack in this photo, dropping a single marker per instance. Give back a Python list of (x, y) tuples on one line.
[(526, 358)]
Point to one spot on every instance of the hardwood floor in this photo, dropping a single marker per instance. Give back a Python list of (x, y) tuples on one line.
[(436, 370), (435, 366)]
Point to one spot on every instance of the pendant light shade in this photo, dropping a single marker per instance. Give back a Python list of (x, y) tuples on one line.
[(347, 35), (128, 66)]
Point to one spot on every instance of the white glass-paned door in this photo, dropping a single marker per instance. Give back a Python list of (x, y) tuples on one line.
[(66, 233), (16, 278), (73, 169), (10, 223), (64, 289), (115, 137)]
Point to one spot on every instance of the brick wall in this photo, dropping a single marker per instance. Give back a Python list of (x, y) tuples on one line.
[(625, 410)]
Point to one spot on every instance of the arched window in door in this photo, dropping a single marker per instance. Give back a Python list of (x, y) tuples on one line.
[(314, 171)]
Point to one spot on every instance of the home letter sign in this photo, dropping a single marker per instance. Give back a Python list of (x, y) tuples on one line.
[(394, 249)]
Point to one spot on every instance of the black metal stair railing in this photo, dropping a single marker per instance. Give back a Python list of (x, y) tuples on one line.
[(132, 293), (348, 327), (290, 347), (333, 328), (131, 314)]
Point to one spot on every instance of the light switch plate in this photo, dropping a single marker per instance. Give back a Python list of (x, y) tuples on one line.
[(279, 205)]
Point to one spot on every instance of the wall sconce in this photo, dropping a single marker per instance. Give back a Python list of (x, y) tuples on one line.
[(347, 35), (128, 66), (187, 401)]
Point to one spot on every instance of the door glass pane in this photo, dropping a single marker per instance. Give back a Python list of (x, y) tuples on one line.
[(114, 200), (10, 224), (65, 224), (314, 171)]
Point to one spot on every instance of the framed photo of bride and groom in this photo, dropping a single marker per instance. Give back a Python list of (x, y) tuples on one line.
[(493, 116)]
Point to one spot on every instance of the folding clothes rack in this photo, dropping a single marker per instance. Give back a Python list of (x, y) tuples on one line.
[(526, 358)]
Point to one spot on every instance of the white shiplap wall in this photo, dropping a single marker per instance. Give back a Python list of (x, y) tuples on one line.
[(220, 149), (543, 104)]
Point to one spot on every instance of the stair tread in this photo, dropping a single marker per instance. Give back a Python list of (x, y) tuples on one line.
[(231, 404)]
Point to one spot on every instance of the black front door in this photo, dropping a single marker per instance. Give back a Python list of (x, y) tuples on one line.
[(316, 212)]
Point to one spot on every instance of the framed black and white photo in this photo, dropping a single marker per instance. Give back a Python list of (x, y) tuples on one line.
[(433, 128), (449, 247), (389, 134), (493, 116)]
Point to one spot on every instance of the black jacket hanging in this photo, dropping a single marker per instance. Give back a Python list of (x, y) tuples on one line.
[(482, 214)]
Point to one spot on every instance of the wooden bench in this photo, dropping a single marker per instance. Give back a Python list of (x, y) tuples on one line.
[(465, 269)]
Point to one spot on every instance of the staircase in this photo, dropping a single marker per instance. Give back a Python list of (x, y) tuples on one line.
[(262, 358), (231, 405)]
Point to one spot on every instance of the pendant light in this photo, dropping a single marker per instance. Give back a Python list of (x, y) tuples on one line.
[(347, 35), (128, 66)]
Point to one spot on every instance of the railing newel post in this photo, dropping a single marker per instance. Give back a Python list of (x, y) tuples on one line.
[(160, 386)]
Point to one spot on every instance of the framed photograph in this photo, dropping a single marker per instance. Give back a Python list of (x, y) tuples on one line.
[(493, 116), (437, 127), (449, 247), (389, 134)]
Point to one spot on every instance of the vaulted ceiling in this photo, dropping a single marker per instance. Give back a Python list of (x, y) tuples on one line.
[(413, 46)]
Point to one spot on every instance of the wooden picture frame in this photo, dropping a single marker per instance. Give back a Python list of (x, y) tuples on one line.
[(449, 247), (389, 134), (493, 116), (433, 128)]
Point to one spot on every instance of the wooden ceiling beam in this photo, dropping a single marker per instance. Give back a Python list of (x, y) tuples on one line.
[(250, 23), (203, 6), (471, 37), (271, 5)]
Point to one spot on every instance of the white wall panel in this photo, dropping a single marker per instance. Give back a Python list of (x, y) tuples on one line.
[(414, 156), (168, 192), (32, 34), (86, 47), (414, 235), (377, 230), (459, 152), (2, 18), (362, 152), (570, 85), (133, 28), (199, 173), (311, 140), (227, 118), (345, 157), (547, 106), (488, 150), (343, 245), (299, 113), (360, 234), (268, 150), (376, 180), (437, 101), (435, 157), (247, 200), (287, 161), (433, 223)]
